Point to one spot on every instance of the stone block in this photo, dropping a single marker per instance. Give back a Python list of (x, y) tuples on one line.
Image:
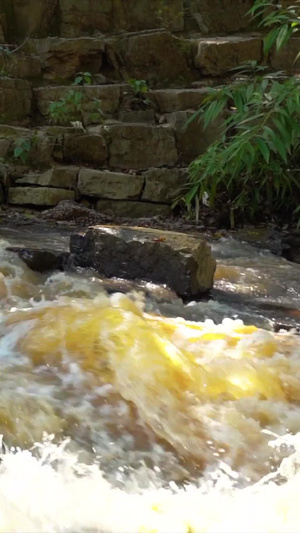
[(218, 55), (38, 196), (219, 16), (107, 95), (20, 65), (41, 149), (63, 58), (285, 59), (183, 262), (30, 17), (88, 16), (169, 100), (60, 177), (192, 139), (112, 185), (156, 57), (15, 100), (139, 146), (86, 148), (162, 184)]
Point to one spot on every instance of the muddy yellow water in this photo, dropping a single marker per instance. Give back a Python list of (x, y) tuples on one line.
[(118, 419)]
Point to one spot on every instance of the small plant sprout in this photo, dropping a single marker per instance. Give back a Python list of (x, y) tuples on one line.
[(22, 149), (83, 78), (139, 87)]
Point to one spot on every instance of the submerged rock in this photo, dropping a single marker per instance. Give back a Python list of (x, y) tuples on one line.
[(182, 262), (41, 260)]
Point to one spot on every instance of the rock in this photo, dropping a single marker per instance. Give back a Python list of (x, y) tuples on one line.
[(169, 100), (220, 16), (29, 17), (15, 100), (41, 260), (86, 17), (156, 14), (87, 148), (63, 58), (217, 56), (142, 116), (19, 65), (192, 139), (285, 58), (156, 57), (113, 185), (162, 184), (38, 195), (108, 95), (61, 177), (79, 18), (139, 146), (131, 209), (157, 293), (291, 246), (182, 262), (41, 144), (68, 210)]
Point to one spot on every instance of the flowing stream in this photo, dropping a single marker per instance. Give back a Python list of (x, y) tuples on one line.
[(121, 413)]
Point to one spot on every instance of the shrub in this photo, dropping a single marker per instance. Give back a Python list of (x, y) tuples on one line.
[(253, 167)]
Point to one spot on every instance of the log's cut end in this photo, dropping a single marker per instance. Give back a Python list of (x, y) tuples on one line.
[(182, 262)]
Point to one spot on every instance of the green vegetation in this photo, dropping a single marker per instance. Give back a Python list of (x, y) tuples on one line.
[(253, 168), (22, 149), (71, 108), (139, 87), (83, 78), (5, 55)]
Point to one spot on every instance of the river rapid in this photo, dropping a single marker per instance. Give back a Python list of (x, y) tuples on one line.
[(121, 413)]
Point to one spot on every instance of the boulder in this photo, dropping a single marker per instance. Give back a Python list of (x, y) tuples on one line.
[(41, 260), (38, 196), (63, 58), (218, 55), (132, 209), (15, 100), (87, 148), (157, 57), (182, 262), (113, 185), (162, 184), (61, 177), (139, 146)]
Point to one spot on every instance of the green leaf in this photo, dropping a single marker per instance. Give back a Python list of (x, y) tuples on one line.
[(264, 149)]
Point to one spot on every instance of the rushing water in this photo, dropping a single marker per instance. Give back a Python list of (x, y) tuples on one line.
[(121, 414)]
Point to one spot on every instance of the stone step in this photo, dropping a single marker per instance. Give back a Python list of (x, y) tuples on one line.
[(217, 56), (116, 145), (185, 59), (146, 193)]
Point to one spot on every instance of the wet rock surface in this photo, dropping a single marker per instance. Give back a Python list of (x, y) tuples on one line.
[(184, 263), (41, 260)]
